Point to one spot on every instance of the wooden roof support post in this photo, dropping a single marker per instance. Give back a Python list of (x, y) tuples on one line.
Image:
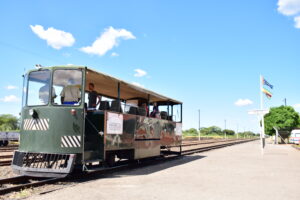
[(168, 108), (148, 104), (119, 96), (181, 113)]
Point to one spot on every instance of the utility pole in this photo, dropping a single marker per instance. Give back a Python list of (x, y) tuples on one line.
[(262, 116), (237, 131), (225, 130), (284, 100), (199, 137)]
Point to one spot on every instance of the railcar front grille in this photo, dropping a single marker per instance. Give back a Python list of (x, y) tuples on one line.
[(43, 162)]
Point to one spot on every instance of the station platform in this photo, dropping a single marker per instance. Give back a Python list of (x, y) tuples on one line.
[(236, 172)]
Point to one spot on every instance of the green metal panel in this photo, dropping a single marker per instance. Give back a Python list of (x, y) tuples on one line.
[(54, 127)]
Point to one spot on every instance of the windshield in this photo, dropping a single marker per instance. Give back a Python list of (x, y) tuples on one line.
[(38, 88), (67, 83)]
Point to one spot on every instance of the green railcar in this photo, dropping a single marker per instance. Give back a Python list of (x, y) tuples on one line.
[(61, 131)]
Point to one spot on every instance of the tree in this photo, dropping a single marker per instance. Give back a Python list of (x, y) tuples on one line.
[(228, 132), (283, 117), (249, 133), (190, 132), (8, 122), (246, 134), (211, 130)]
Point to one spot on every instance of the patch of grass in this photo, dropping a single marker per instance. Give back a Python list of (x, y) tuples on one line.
[(22, 194)]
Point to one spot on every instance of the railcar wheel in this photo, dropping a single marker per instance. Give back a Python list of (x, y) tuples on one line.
[(1, 143), (5, 143)]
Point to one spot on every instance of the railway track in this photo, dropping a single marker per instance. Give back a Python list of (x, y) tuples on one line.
[(6, 156), (5, 160), (5, 163), (185, 144), (208, 148), (21, 182), (9, 147)]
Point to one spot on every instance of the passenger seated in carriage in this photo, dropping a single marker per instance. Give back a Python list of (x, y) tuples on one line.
[(70, 95), (155, 111)]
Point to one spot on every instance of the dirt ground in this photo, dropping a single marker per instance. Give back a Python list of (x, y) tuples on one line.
[(236, 172), (6, 172)]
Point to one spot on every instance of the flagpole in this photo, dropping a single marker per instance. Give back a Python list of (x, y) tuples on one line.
[(262, 136)]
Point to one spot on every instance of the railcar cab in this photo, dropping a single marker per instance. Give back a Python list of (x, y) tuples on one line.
[(60, 129), (52, 123)]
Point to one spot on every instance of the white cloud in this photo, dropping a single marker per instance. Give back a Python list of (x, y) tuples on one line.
[(296, 105), (243, 102), (288, 7), (107, 40), (10, 98), (140, 73), (11, 87), (114, 54), (55, 38), (297, 21), (138, 84)]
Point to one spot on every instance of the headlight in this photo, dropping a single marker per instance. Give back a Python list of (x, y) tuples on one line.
[(33, 113)]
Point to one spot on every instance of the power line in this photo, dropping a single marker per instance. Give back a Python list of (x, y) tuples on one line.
[(23, 50)]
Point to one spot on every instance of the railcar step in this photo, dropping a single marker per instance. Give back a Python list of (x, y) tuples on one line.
[(92, 161)]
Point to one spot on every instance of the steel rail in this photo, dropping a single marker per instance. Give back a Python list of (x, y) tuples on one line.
[(12, 180), (9, 147), (26, 179), (7, 151), (197, 141), (203, 149), (6, 156), (5, 163), (201, 143)]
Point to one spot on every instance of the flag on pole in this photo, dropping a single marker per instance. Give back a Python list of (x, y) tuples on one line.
[(266, 91), (265, 82)]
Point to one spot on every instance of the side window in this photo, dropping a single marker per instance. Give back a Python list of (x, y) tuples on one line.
[(177, 113)]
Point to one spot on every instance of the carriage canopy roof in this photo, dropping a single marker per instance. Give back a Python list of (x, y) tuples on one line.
[(108, 86)]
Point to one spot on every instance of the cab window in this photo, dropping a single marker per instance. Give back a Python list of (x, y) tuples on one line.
[(38, 88), (67, 84)]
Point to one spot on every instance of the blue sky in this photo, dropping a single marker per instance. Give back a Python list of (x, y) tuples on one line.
[(208, 54)]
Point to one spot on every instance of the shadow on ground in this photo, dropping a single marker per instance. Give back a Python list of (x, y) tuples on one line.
[(151, 167)]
